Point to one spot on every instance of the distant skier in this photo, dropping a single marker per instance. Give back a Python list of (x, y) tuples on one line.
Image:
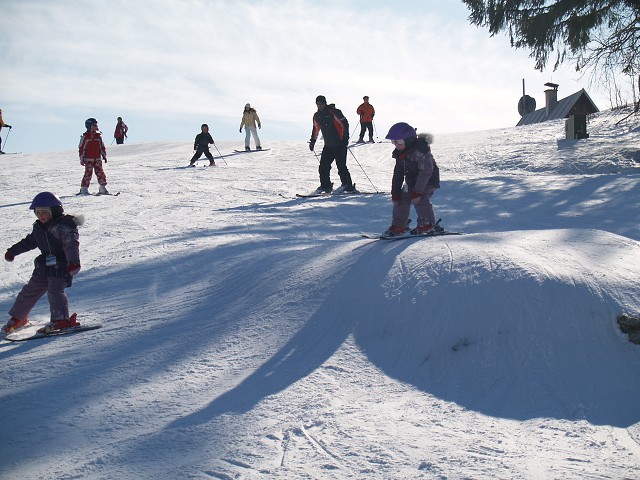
[(2, 124), (92, 151), (415, 178), (201, 145), (121, 131), (366, 112), (249, 121), (335, 131), (56, 235)]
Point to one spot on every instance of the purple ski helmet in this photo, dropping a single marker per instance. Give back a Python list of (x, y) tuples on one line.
[(401, 131), (45, 199)]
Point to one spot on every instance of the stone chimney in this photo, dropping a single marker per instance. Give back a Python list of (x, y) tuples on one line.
[(551, 97)]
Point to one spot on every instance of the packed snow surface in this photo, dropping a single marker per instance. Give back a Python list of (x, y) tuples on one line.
[(250, 334)]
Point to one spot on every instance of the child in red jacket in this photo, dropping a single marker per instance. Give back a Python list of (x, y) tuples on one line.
[(92, 152)]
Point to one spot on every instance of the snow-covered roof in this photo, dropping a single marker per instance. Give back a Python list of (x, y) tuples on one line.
[(579, 102)]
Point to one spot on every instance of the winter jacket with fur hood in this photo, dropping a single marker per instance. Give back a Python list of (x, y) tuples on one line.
[(416, 166), (58, 237)]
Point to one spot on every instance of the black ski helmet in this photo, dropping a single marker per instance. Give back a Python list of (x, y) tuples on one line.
[(90, 121)]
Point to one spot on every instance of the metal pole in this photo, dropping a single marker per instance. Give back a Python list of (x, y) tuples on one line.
[(221, 156), (5, 139), (365, 173)]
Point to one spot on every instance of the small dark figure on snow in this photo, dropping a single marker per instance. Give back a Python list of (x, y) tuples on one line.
[(121, 131), (201, 145), (415, 178), (56, 235)]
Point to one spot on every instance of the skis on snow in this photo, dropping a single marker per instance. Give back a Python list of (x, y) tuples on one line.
[(98, 194), (315, 194), (438, 232), (334, 195), (377, 236), (357, 144), (222, 157), (252, 151), (30, 332)]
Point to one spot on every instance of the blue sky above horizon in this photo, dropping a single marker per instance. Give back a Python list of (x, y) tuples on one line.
[(168, 66)]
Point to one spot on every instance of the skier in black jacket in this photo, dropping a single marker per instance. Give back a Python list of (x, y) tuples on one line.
[(201, 145), (335, 131)]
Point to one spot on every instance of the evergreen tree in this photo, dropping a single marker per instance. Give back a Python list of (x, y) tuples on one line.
[(604, 34)]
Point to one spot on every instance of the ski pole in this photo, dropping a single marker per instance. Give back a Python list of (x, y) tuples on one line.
[(365, 173), (5, 139), (355, 128), (221, 156), (316, 155)]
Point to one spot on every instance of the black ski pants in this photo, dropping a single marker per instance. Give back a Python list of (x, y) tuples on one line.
[(199, 153), (364, 126), (329, 154)]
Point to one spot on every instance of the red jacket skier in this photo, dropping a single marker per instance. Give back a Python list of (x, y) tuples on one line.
[(92, 151), (366, 112)]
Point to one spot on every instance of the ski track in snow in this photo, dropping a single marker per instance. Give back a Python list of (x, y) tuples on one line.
[(249, 334)]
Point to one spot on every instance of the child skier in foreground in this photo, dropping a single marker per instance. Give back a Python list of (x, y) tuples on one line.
[(201, 145), (415, 178), (56, 235), (92, 151)]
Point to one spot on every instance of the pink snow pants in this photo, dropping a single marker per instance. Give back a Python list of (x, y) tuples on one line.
[(424, 209), (90, 165), (36, 288)]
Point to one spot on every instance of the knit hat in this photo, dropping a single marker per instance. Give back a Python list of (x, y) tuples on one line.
[(247, 106), (321, 99)]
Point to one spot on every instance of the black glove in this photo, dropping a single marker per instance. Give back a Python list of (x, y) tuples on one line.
[(312, 143), (9, 127)]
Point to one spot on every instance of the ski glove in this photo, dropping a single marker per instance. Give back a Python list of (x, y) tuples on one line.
[(82, 161), (73, 268), (105, 159), (259, 126), (415, 198), (9, 256), (395, 198), (240, 130), (312, 144)]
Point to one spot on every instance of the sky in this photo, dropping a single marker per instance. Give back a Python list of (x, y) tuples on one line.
[(166, 67)]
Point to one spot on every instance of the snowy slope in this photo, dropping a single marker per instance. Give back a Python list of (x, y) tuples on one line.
[(250, 334)]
